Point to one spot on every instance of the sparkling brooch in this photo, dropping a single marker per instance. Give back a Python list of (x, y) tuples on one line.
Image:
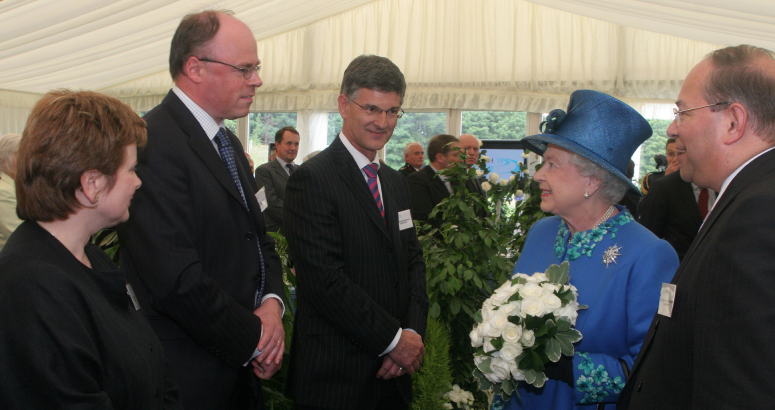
[(609, 256)]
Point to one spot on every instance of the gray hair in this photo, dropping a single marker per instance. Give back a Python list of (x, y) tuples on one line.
[(373, 73), (739, 77), (9, 144), (408, 147), (612, 189)]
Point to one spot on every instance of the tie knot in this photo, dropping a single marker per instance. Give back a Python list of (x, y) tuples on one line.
[(371, 170)]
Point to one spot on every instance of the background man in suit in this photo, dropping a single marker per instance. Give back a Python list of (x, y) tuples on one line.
[(362, 303), (671, 210), (414, 156), (426, 187), (273, 176), (712, 347), (196, 249), (470, 145)]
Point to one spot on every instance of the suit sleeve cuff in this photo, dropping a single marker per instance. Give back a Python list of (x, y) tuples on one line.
[(393, 343)]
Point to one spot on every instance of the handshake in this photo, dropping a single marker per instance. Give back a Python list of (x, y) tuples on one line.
[(405, 358)]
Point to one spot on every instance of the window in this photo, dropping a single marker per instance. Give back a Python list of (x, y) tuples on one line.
[(413, 126), (653, 146), (495, 125), (261, 127)]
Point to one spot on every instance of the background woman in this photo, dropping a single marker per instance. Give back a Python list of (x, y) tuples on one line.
[(617, 265), (9, 144), (70, 334)]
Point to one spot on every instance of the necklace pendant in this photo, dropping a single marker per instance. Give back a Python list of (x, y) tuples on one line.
[(609, 256)]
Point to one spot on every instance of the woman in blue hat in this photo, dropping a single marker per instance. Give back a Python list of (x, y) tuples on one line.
[(617, 265)]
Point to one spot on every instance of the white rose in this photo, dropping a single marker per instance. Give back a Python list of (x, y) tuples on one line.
[(525, 155), (499, 368), (550, 287), (537, 278), (448, 406), (485, 158), (533, 307), (569, 311), (479, 172), (486, 186), (486, 312), (528, 338), (491, 331), (494, 177), (500, 297), (480, 142), (520, 192), (520, 275), (510, 351), (510, 308), (455, 397), (517, 374), (503, 182), (476, 337), (499, 321), (531, 290), (512, 333), (487, 346), (552, 302), (513, 178)]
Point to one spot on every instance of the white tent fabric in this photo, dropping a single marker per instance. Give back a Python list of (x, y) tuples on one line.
[(455, 54)]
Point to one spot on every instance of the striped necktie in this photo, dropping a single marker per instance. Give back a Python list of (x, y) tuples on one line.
[(371, 173), (227, 155)]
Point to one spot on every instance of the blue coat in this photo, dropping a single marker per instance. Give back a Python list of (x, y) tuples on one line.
[(622, 299)]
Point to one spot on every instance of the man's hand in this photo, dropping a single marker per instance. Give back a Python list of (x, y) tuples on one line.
[(272, 342), (672, 167), (408, 352), (266, 370), (389, 369)]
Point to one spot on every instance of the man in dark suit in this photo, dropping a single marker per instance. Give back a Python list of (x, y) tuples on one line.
[(426, 187), (414, 156), (471, 146), (362, 303), (671, 209), (196, 249), (273, 176), (710, 345)]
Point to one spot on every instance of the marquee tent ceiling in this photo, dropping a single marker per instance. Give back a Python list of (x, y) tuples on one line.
[(464, 54)]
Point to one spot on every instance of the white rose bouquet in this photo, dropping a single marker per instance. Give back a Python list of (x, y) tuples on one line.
[(526, 323)]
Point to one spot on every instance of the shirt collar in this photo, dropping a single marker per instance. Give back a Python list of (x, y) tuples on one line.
[(442, 177), (283, 163), (359, 158), (207, 122)]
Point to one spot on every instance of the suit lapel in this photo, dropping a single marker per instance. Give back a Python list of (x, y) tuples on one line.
[(353, 178), (202, 145), (686, 191), (437, 183), (279, 170)]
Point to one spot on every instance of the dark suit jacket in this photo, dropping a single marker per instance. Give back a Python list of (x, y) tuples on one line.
[(671, 212), (359, 279), (190, 251), (427, 190), (273, 177), (406, 170), (715, 352)]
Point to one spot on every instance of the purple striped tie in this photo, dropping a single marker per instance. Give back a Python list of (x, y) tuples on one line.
[(371, 172)]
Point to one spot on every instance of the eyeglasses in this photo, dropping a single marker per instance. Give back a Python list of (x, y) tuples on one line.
[(677, 113), (246, 72), (392, 113)]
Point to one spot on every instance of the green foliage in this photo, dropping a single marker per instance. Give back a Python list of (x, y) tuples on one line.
[(435, 375), (263, 126), (495, 125), (107, 240), (467, 255)]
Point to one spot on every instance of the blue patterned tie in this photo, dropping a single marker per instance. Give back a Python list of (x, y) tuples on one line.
[(371, 173), (227, 155)]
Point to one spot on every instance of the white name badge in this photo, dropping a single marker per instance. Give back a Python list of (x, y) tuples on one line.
[(405, 220), (131, 293), (667, 300), (261, 198)]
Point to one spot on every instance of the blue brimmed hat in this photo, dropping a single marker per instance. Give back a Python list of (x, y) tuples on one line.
[(597, 127)]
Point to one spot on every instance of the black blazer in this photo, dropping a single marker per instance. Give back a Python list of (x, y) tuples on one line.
[(406, 170), (189, 249), (273, 178), (715, 352), (70, 336), (671, 212), (359, 278), (427, 190)]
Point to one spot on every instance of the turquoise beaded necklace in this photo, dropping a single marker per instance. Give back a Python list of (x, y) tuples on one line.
[(583, 243)]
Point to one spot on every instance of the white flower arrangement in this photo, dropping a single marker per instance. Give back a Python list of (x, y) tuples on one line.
[(503, 182), (485, 158), (494, 177), (486, 186), (526, 323), (479, 172), (458, 398)]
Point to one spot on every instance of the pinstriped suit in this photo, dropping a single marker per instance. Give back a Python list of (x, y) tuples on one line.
[(359, 280)]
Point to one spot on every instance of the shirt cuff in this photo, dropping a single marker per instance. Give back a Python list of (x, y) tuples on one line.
[(279, 299), (393, 343)]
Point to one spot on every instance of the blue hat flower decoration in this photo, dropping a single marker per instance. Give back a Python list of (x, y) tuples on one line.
[(597, 127)]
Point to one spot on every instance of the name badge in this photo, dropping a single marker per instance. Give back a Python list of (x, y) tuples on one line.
[(131, 293), (405, 220), (261, 198), (667, 300)]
